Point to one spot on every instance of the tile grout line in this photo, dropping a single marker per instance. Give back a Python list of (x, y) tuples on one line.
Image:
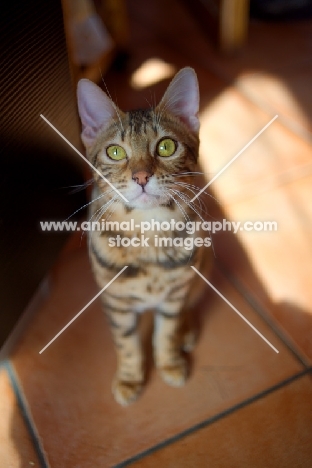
[(260, 311), (212, 419), (23, 406)]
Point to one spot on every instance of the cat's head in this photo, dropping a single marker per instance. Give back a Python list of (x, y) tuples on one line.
[(142, 152)]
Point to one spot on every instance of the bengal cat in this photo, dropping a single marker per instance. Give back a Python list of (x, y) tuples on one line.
[(150, 157)]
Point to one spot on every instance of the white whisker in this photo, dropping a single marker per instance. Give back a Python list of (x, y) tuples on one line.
[(186, 217), (89, 203), (100, 211), (201, 205), (183, 213), (182, 174), (105, 207), (79, 187), (190, 204), (184, 198), (194, 187)]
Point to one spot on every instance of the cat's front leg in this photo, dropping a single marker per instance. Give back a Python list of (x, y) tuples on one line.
[(129, 377), (169, 339)]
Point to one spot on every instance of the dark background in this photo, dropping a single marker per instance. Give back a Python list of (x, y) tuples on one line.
[(37, 167)]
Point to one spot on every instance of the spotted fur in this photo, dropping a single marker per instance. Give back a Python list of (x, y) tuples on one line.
[(159, 188)]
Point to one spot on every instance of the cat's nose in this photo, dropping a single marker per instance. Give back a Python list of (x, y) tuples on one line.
[(141, 177)]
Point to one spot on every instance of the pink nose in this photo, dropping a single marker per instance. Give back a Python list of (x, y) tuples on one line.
[(141, 177)]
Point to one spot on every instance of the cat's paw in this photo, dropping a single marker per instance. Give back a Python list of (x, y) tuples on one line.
[(176, 374), (125, 392)]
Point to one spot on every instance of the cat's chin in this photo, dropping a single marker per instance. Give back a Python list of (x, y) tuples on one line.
[(146, 201)]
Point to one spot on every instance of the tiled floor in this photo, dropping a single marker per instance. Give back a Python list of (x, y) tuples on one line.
[(16, 443), (244, 404)]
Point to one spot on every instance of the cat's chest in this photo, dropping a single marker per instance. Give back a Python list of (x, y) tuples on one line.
[(139, 236), (139, 248)]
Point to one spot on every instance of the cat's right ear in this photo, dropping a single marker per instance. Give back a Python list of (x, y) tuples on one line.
[(95, 108)]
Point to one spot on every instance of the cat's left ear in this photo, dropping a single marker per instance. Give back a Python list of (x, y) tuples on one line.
[(182, 98), (96, 110)]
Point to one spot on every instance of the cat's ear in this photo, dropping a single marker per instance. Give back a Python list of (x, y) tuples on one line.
[(95, 108), (182, 98)]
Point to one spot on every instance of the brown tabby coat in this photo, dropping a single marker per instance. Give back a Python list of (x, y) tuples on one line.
[(158, 188)]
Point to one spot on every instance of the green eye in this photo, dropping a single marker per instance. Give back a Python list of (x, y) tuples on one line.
[(166, 147), (116, 152)]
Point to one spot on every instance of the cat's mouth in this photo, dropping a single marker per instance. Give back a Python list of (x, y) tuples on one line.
[(146, 197), (148, 194)]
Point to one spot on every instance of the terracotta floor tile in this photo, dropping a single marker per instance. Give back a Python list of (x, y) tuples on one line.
[(286, 94), (275, 158), (16, 447), (274, 431), (279, 263), (68, 386)]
